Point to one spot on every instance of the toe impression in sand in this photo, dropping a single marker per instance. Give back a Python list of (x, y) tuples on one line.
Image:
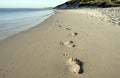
[(74, 33), (76, 66), (67, 28), (69, 44), (65, 54), (59, 26)]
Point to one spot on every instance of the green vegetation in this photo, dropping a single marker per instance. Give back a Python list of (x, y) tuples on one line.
[(101, 3)]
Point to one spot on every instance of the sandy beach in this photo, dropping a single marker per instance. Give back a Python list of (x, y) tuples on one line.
[(69, 44)]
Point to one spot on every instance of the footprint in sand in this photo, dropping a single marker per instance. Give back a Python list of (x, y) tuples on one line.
[(74, 33), (75, 65), (65, 54), (68, 43), (68, 28), (59, 26)]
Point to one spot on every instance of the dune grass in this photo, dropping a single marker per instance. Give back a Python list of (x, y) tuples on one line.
[(103, 3)]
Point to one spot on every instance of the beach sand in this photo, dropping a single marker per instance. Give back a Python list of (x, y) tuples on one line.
[(67, 45)]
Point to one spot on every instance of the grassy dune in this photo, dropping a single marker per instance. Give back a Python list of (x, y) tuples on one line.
[(102, 3)]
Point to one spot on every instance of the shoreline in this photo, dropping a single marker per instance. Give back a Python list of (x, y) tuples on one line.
[(66, 45), (24, 31), (24, 23)]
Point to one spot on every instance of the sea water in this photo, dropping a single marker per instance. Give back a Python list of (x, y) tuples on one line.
[(13, 21)]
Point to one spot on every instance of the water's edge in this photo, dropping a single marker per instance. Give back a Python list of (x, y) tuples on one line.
[(25, 28)]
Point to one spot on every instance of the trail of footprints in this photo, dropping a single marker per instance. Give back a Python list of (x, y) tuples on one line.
[(75, 65)]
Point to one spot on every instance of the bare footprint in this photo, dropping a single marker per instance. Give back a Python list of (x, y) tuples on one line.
[(59, 26), (76, 66), (65, 54), (67, 28), (74, 33), (68, 43)]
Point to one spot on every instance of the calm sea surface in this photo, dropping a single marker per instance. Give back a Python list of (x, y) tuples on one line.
[(13, 21)]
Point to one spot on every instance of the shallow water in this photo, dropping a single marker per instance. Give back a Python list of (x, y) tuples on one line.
[(13, 21)]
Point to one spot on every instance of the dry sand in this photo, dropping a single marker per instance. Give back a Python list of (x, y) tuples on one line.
[(106, 14), (67, 45)]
